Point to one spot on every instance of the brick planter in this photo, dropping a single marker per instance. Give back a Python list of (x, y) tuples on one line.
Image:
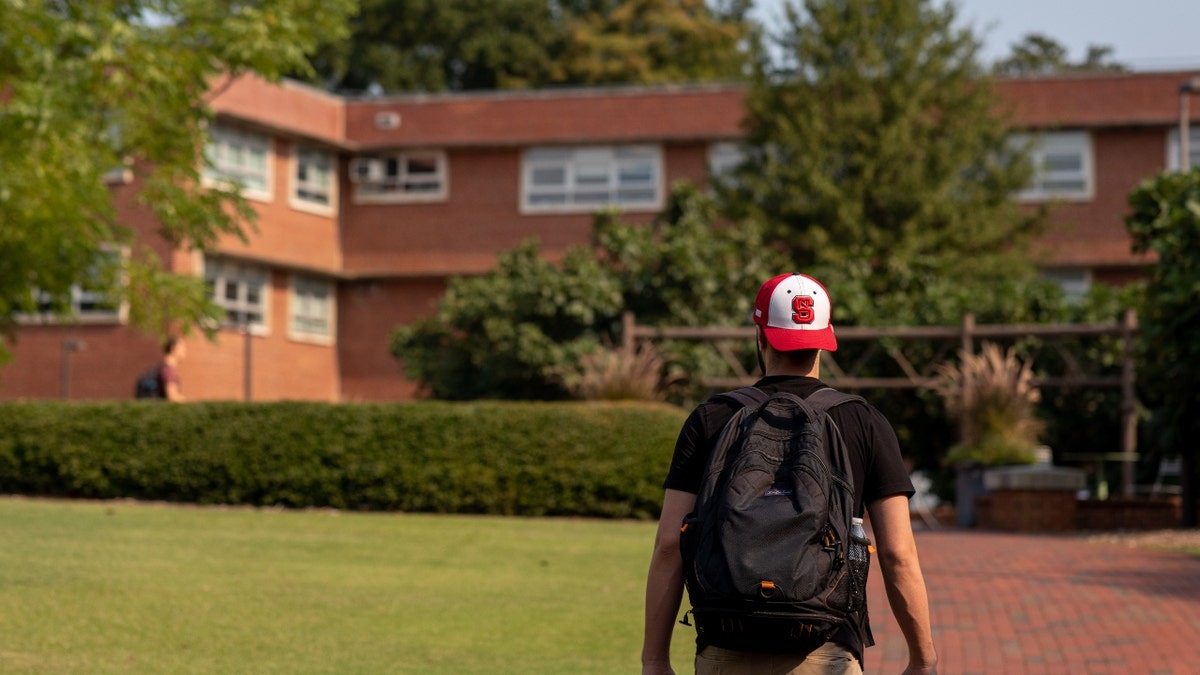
[(1128, 514), (1030, 499), (1027, 511)]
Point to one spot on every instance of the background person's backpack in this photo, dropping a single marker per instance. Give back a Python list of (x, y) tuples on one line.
[(149, 384), (766, 550)]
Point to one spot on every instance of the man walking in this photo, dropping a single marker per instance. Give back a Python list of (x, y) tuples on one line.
[(792, 314), (174, 351)]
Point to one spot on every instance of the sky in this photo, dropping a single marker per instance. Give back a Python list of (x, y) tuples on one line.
[(1144, 34)]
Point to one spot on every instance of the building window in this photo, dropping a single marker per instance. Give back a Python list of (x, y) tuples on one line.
[(588, 178), (1062, 165), (312, 180), (1074, 282), (1193, 148), (312, 309), (724, 158), (241, 290), (413, 176), (94, 299), (241, 158)]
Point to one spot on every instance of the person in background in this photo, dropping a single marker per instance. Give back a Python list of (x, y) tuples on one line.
[(174, 351)]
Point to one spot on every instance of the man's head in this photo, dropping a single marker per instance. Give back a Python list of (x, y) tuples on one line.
[(176, 347), (793, 311)]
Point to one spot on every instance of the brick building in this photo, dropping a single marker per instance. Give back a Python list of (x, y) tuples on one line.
[(366, 207)]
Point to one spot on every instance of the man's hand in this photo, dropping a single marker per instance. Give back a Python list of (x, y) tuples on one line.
[(920, 670), (657, 669)]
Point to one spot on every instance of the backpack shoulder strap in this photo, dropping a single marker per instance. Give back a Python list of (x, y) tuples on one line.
[(747, 397), (829, 398)]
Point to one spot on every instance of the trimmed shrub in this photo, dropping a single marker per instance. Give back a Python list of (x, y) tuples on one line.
[(530, 459)]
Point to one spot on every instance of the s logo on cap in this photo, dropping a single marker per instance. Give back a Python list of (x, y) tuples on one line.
[(794, 311), (802, 309)]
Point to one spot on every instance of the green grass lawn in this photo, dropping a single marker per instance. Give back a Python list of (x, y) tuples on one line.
[(119, 587)]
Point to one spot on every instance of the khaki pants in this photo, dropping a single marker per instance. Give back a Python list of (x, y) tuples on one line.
[(829, 659)]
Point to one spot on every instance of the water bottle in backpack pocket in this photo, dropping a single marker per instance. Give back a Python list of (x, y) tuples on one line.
[(859, 557)]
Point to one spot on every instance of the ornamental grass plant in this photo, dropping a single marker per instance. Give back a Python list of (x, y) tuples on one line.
[(608, 374), (994, 399)]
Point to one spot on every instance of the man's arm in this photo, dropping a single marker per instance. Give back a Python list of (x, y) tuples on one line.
[(664, 584), (897, 555)]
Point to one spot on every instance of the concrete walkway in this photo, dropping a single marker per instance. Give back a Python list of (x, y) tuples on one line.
[(1015, 603)]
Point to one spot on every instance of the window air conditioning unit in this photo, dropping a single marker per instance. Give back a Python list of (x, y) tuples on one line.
[(387, 120), (367, 170)]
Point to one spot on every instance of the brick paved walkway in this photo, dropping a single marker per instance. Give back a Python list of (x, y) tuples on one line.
[(1011, 603)]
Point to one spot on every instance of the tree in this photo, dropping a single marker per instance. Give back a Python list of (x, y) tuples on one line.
[(90, 87), (1165, 220), (880, 154), (458, 45), (655, 41), (1038, 54), (515, 331), (440, 45)]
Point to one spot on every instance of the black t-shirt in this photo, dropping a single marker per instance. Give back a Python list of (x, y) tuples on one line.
[(875, 457)]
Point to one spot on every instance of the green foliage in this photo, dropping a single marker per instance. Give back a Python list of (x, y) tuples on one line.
[(1165, 221), (458, 45), (880, 155), (120, 85), (654, 41), (438, 45), (508, 333), (495, 458), (513, 332), (1039, 54)]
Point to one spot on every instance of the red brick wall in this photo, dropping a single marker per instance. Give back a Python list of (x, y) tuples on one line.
[(1128, 514), (112, 358), (479, 221), (1027, 510), (1093, 233), (281, 367), (480, 218), (368, 312), (283, 233)]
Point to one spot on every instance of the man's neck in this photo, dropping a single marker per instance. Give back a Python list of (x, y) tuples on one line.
[(781, 369)]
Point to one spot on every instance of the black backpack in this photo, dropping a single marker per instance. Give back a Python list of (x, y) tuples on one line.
[(766, 551), (148, 385)]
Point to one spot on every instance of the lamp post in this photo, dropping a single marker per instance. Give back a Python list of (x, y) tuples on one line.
[(68, 346), (1186, 89), (246, 372)]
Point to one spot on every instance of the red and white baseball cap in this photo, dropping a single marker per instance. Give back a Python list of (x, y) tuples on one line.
[(794, 311)]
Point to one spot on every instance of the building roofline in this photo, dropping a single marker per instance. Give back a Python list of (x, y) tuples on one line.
[(564, 92)]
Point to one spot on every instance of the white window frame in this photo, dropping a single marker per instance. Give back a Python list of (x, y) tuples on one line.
[(313, 185), (83, 301), (398, 181), (584, 179), (311, 302), (724, 157), (1172, 163), (120, 173), (1075, 282), (119, 176), (252, 287), (235, 155), (1049, 146)]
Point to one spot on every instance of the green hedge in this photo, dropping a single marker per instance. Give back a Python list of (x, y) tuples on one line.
[(577, 459)]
